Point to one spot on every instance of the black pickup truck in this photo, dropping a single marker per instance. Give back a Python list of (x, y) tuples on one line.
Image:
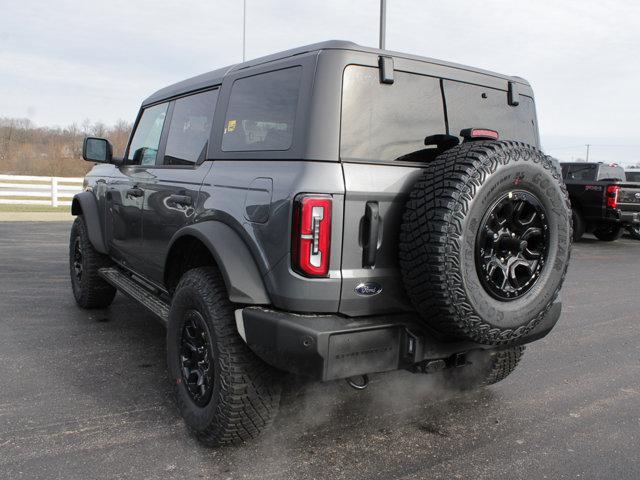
[(603, 202)]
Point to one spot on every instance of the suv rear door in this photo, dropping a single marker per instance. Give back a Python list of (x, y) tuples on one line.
[(381, 123)]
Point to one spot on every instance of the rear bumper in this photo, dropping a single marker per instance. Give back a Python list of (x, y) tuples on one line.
[(328, 347), (630, 218)]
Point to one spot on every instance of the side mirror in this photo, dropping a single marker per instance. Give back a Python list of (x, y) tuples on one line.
[(97, 150)]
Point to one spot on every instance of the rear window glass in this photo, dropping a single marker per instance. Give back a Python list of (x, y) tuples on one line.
[(579, 172), (633, 176), (611, 172), (473, 106), (262, 111), (386, 122), (190, 128)]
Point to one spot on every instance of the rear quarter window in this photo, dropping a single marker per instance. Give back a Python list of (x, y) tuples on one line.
[(262, 111)]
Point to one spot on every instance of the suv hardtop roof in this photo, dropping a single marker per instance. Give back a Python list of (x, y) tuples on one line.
[(216, 77)]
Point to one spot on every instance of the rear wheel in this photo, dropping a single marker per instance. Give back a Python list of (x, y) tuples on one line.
[(485, 367), (608, 232), (485, 241), (225, 393), (89, 289), (635, 232)]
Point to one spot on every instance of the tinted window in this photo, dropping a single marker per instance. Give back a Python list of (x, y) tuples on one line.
[(633, 176), (262, 111), (387, 121), (579, 172), (190, 128), (610, 172), (144, 144), (472, 106)]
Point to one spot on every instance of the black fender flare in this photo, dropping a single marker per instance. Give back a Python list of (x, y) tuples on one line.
[(236, 263), (85, 204)]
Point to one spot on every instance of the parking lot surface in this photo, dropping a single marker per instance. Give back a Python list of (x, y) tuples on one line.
[(86, 395)]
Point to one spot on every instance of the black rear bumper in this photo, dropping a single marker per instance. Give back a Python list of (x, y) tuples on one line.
[(328, 347)]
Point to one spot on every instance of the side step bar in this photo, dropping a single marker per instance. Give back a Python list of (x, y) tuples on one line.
[(136, 291)]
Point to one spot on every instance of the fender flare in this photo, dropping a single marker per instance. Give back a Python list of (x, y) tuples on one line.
[(236, 263), (85, 204)]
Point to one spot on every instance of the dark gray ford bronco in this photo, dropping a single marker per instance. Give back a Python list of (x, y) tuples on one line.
[(330, 211)]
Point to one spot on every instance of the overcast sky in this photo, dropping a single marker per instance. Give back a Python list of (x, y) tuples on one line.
[(62, 61)]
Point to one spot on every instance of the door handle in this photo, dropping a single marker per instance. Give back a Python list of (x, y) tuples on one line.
[(135, 192), (182, 200), (371, 234)]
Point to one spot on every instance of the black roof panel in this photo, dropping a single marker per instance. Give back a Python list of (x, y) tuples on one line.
[(216, 76)]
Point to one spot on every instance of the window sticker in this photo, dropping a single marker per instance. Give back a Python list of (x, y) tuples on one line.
[(231, 126)]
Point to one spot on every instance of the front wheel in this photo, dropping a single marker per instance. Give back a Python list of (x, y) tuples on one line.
[(609, 232), (89, 289), (225, 393)]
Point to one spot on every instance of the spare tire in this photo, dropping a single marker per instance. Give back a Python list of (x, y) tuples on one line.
[(485, 240)]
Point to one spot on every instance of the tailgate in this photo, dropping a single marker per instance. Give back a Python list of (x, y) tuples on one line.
[(629, 198)]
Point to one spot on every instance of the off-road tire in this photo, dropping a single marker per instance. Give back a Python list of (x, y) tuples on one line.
[(438, 235), (90, 290), (246, 391), (486, 367), (578, 225), (608, 233)]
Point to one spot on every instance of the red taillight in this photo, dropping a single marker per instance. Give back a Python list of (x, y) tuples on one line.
[(612, 196), (312, 235)]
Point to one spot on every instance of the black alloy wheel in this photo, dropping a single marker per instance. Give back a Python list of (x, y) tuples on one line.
[(512, 245), (196, 358), (77, 259)]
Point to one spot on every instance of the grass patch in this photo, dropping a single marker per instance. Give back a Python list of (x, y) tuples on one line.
[(33, 208)]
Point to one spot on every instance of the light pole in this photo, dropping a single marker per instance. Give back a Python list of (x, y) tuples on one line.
[(383, 23), (587, 145), (244, 29)]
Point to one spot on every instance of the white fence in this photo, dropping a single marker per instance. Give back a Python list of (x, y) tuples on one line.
[(26, 190)]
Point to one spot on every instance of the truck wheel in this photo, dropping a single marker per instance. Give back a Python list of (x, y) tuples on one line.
[(89, 289), (225, 393), (634, 232), (485, 241), (608, 232), (578, 225), (486, 367)]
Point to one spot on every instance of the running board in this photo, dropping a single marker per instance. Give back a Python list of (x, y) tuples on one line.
[(137, 292)]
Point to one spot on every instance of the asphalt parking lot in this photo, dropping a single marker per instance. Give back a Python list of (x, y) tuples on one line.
[(85, 394)]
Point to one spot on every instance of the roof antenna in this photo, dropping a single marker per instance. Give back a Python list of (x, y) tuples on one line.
[(383, 23)]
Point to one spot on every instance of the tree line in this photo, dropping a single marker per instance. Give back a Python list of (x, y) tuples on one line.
[(26, 149)]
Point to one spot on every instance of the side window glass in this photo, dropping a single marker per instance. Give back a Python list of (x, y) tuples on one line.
[(144, 144), (262, 111), (190, 128)]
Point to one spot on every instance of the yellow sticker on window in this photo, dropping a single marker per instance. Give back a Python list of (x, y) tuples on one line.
[(231, 125)]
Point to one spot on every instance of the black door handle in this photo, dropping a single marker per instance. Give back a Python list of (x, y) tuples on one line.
[(182, 200), (135, 192), (371, 233)]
